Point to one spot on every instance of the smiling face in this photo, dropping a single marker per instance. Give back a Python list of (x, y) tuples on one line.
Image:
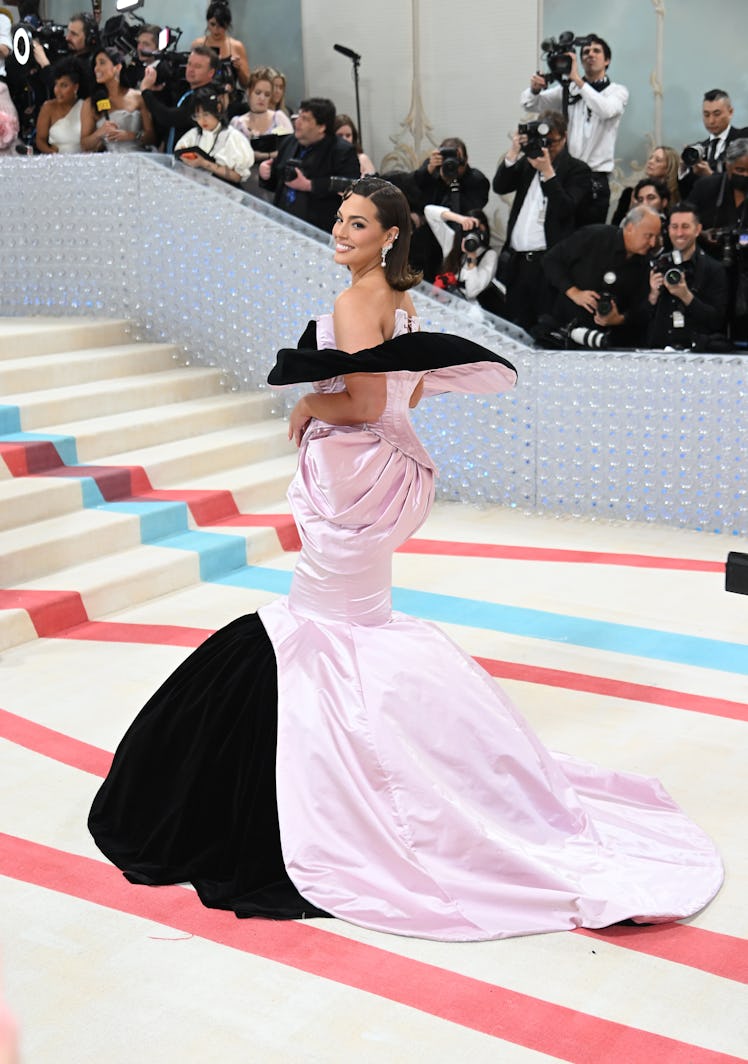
[(259, 97), (104, 69), (684, 231), (359, 235)]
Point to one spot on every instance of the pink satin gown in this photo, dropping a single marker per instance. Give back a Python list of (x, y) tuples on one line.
[(412, 796)]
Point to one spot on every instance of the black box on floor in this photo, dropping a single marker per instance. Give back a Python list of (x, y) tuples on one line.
[(736, 573)]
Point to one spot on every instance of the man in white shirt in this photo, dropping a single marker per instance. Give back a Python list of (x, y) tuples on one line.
[(595, 108), (6, 42)]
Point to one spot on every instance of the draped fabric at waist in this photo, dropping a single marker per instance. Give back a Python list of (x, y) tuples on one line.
[(356, 497)]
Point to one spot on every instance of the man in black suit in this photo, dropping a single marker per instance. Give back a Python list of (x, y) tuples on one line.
[(550, 186), (688, 289), (717, 114), (315, 155)]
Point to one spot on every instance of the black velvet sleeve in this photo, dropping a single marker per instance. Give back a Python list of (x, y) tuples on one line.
[(417, 351)]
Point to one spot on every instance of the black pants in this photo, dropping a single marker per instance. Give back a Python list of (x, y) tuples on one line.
[(594, 209), (526, 295)]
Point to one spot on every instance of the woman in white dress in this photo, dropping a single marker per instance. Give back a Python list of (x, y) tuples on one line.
[(212, 146), (115, 118), (58, 127)]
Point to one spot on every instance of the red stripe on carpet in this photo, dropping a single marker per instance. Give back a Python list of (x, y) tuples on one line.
[(549, 554), (603, 685), (718, 954), (284, 525), (207, 506), (722, 955), (29, 457), (155, 634), (54, 744), (50, 611), (493, 1010)]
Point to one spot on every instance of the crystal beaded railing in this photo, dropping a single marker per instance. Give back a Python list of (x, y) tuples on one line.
[(640, 436)]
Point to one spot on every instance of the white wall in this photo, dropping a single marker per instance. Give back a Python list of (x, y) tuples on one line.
[(474, 59)]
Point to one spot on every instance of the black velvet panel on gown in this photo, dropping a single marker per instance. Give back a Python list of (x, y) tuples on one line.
[(191, 793)]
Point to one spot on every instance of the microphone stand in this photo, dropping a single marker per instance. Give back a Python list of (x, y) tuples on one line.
[(356, 60)]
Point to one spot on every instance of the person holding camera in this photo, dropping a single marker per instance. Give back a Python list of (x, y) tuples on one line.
[(173, 122), (469, 263), (312, 167), (82, 39), (595, 106), (707, 157), (599, 281), (723, 208), (687, 289), (444, 179), (550, 186)]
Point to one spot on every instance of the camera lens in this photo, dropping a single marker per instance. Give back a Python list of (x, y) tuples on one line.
[(673, 276)]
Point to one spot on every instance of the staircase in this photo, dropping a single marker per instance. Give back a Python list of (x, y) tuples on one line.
[(125, 476)]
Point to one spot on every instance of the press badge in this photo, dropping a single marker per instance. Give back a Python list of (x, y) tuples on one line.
[(679, 321)]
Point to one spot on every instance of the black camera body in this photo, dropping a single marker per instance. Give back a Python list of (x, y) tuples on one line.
[(289, 173), (692, 154), (474, 240), (50, 35), (450, 163), (671, 266), (537, 137), (557, 54), (606, 297)]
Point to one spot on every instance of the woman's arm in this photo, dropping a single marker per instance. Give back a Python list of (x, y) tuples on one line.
[(43, 123), (92, 139), (240, 62), (365, 394), (149, 130)]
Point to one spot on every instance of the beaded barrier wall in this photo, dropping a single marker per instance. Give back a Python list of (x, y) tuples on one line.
[(643, 436)]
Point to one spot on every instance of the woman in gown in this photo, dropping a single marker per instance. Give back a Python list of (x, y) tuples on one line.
[(116, 118), (329, 756), (58, 127)]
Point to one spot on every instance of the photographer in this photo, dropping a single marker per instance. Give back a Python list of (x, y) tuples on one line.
[(723, 208), (469, 262), (445, 179), (173, 122), (687, 289), (82, 39), (549, 186), (599, 281), (595, 107), (303, 174), (148, 55), (707, 157)]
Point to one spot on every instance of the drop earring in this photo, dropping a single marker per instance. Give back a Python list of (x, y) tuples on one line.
[(385, 251)]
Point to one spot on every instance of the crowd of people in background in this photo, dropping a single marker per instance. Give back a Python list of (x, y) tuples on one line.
[(664, 266)]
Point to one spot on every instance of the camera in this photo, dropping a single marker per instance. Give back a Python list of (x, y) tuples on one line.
[(605, 300), (556, 54), (692, 154), (537, 138), (450, 163), (670, 266), (342, 184), (289, 173), (50, 35), (475, 239)]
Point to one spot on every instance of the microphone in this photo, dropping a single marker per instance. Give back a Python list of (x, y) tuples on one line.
[(104, 106), (348, 52)]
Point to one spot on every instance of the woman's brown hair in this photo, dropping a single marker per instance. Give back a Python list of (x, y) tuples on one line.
[(392, 212)]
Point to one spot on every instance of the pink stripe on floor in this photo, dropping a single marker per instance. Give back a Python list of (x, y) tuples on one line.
[(564, 1033)]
